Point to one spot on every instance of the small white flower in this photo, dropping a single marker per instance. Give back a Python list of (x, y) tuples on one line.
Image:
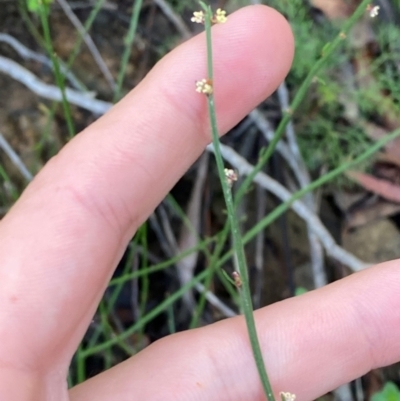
[(373, 11)]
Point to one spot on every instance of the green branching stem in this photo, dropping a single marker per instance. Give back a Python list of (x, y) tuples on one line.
[(298, 99), (117, 339), (328, 50), (128, 46), (233, 221), (87, 25), (301, 93), (246, 238), (278, 211), (44, 11)]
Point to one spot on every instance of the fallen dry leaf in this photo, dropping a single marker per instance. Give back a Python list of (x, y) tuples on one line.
[(376, 132), (383, 188), (375, 242), (363, 215), (333, 9), (389, 157)]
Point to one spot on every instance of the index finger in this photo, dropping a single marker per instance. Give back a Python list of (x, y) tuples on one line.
[(60, 243)]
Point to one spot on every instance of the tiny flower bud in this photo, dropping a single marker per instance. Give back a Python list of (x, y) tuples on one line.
[(231, 176), (204, 86), (237, 279)]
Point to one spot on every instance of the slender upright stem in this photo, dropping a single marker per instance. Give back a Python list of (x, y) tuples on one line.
[(130, 37), (236, 237), (44, 11)]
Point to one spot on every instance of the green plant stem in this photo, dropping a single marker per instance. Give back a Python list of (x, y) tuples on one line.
[(87, 25), (300, 94), (22, 8), (146, 318), (246, 238), (43, 10), (80, 366), (212, 259), (214, 267), (11, 189), (107, 330), (207, 283), (127, 268), (128, 46), (160, 266), (144, 280), (171, 319), (107, 305), (142, 234), (249, 235), (233, 221)]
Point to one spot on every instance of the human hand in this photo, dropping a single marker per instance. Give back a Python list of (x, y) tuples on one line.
[(61, 241)]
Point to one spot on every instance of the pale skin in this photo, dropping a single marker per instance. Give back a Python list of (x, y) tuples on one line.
[(61, 241)]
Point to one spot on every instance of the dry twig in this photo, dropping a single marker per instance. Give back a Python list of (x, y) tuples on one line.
[(176, 19), (10, 152), (188, 236), (29, 54), (316, 253), (21, 74)]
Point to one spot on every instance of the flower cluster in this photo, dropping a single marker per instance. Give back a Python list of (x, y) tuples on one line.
[(198, 17), (287, 396), (204, 86), (373, 10), (218, 18)]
